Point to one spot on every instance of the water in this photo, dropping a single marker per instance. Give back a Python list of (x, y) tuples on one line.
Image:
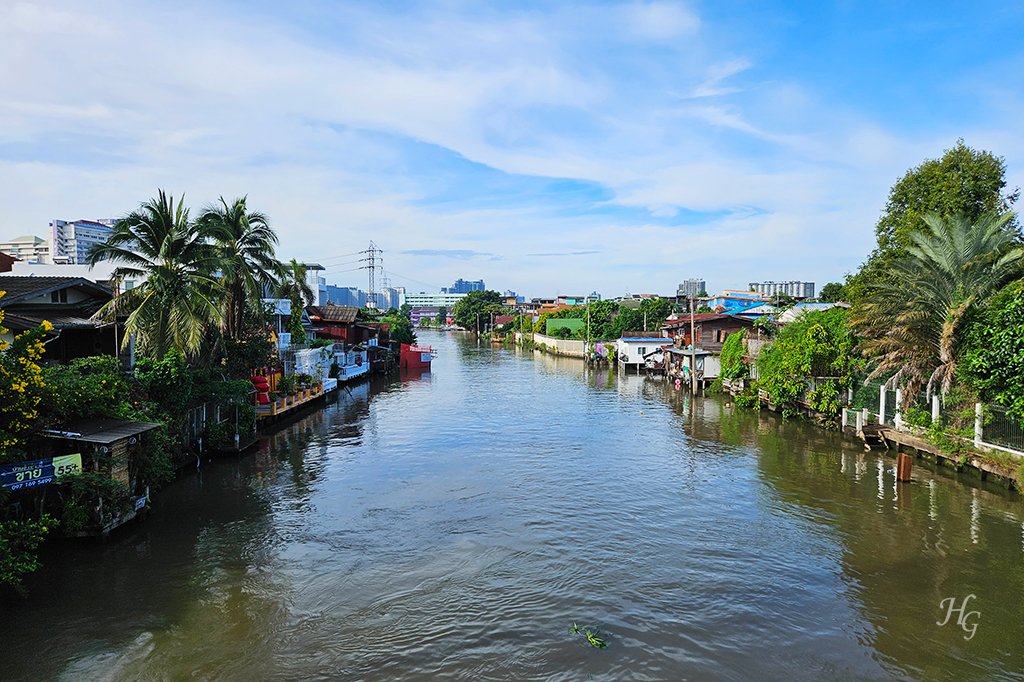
[(454, 525)]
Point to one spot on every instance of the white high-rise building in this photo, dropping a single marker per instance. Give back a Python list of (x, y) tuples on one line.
[(70, 242), (691, 288), (28, 248), (794, 289)]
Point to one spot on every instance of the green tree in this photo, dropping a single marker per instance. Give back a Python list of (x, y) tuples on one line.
[(963, 182), (831, 292), (405, 311), (475, 308), (295, 287), (783, 301), (816, 344), (993, 363), (401, 329), (914, 319), (442, 315), (18, 542), (179, 296), (245, 247)]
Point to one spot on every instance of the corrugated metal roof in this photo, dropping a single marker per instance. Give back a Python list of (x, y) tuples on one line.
[(101, 431), (334, 313)]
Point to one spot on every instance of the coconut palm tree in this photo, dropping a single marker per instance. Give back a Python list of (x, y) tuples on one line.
[(295, 287), (245, 244), (179, 295), (914, 322)]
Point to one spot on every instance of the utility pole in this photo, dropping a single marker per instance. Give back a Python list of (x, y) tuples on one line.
[(587, 348), (693, 354)]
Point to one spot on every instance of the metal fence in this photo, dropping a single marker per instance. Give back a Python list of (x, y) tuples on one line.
[(1002, 428)]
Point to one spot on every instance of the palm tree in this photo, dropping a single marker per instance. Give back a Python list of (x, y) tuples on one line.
[(179, 295), (245, 244), (295, 287), (914, 321)]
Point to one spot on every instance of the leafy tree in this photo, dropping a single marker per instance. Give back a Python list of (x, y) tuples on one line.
[(816, 344), (18, 541), (401, 329), (295, 287), (475, 308), (733, 350), (405, 311), (245, 248), (914, 319), (831, 292), (180, 296), (702, 294), (442, 315), (703, 309), (993, 364), (783, 301), (963, 182)]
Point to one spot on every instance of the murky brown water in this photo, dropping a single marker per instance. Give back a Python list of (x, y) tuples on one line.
[(454, 525)]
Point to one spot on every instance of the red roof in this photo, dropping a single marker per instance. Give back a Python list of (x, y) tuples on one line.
[(503, 319), (702, 317)]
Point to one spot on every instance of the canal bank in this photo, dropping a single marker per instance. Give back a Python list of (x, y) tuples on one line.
[(454, 524)]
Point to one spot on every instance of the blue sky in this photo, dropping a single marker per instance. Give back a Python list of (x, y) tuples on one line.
[(544, 147)]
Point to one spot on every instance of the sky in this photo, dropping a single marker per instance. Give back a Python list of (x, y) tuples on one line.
[(547, 148)]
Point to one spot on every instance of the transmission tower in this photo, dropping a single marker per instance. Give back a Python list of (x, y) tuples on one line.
[(373, 255)]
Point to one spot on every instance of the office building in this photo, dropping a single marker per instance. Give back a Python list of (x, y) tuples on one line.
[(463, 287), (28, 248), (691, 288), (70, 242)]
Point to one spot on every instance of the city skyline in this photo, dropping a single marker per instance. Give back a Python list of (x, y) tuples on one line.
[(542, 147)]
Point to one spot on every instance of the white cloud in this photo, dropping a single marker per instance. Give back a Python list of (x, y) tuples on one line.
[(660, 20)]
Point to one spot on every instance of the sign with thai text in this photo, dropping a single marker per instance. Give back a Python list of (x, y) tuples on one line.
[(24, 475)]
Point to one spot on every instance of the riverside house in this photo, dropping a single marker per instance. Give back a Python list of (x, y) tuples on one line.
[(68, 303), (703, 351), (632, 347)]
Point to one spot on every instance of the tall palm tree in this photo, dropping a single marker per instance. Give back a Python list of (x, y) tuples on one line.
[(179, 295), (914, 321), (295, 287), (245, 243)]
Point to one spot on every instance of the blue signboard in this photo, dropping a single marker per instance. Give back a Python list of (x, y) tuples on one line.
[(24, 475)]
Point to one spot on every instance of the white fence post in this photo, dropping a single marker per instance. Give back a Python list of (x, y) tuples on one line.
[(935, 408), (898, 419), (846, 419), (881, 404), (861, 420), (977, 425)]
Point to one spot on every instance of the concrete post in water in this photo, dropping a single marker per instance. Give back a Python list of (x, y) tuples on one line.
[(881, 404), (863, 418), (860, 420), (935, 408), (977, 425), (898, 419), (846, 420), (904, 462)]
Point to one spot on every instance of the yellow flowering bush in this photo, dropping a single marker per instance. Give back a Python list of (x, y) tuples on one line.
[(21, 387)]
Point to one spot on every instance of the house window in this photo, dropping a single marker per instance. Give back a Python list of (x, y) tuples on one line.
[(697, 334), (59, 296), (643, 351), (720, 335)]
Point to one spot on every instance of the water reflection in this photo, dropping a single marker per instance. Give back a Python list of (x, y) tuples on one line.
[(453, 524)]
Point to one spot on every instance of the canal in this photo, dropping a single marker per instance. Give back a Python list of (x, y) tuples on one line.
[(455, 524)]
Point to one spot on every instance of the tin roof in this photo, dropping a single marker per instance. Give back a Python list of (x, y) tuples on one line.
[(101, 431), (333, 313)]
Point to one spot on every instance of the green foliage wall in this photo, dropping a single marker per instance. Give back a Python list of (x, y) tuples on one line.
[(817, 344)]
